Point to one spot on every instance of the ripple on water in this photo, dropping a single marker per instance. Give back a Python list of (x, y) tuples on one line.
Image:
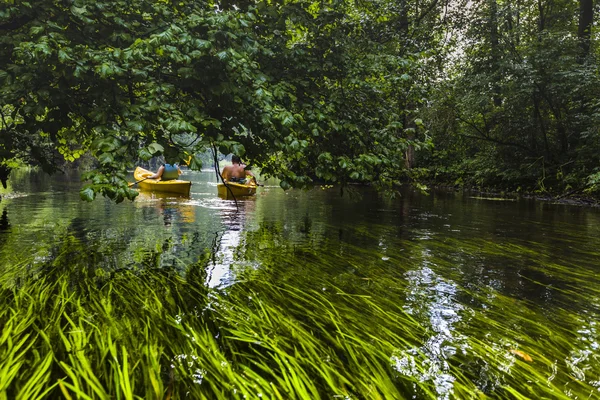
[(14, 195), (214, 204)]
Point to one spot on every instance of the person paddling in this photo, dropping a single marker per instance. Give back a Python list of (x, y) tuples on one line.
[(167, 172), (236, 172)]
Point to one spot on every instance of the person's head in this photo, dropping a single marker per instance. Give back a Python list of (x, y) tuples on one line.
[(236, 160)]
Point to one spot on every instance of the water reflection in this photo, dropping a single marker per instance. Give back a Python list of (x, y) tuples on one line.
[(4, 224), (486, 281), (229, 240), (173, 208), (432, 298), (583, 360)]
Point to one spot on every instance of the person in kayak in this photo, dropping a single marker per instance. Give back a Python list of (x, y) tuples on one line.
[(236, 172), (167, 172)]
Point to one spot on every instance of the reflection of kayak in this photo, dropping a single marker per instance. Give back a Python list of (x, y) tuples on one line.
[(173, 186), (169, 204), (238, 189)]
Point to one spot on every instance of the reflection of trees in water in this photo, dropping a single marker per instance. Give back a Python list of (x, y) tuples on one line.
[(99, 263), (92, 254), (4, 224)]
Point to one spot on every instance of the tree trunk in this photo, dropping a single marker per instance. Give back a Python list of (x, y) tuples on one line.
[(410, 151), (495, 52), (409, 156), (586, 18), (4, 173)]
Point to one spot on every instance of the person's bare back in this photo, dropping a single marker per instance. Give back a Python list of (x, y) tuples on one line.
[(236, 171)]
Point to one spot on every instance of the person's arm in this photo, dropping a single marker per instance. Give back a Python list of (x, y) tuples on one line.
[(225, 173), (158, 173), (250, 176)]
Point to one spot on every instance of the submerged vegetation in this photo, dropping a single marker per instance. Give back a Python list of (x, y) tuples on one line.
[(363, 309), (155, 334)]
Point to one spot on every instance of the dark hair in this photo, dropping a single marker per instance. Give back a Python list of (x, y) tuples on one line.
[(236, 160)]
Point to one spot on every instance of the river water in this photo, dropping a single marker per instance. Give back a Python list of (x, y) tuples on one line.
[(504, 295)]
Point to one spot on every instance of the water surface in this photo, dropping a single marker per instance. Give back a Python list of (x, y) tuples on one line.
[(495, 297)]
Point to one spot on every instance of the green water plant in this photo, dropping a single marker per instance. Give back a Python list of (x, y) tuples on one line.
[(307, 324)]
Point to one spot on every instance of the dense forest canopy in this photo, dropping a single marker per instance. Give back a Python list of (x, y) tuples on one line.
[(490, 93)]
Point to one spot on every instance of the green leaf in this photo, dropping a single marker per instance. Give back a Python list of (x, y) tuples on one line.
[(144, 154), (238, 149), (106, 145), (194, 163), (203, 44), (79, 11), (211, 122), (135, 125), (79, 70), (63, 56), (36, 30), (87, 194), (106, 158), (105, 70), (155, 148), (288, 119)]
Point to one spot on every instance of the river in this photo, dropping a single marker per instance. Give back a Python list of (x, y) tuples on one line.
[(449, 294)]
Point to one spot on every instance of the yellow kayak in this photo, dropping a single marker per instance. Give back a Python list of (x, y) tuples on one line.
[(172, 186), (238, 189)]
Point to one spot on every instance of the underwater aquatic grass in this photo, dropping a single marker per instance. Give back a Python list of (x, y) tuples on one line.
[(152, 334), (305, 325)]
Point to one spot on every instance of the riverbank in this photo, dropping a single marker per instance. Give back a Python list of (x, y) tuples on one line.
[(569, 198)]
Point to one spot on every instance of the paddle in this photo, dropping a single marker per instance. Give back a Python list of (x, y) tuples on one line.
[(256, 182), (141, 180)]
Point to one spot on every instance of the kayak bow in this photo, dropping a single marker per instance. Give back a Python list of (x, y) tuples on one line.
[(173, 186)]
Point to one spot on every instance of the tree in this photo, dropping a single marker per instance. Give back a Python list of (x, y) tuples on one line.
[(523, 101), (586, 19), (306, 92)]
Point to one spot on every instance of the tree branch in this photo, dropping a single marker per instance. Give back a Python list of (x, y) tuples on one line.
[(4, 120), (500, 142), (426, 12)]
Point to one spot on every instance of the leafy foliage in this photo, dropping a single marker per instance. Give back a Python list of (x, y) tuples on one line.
[(325, 92), (295, 87), (520, 109)]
